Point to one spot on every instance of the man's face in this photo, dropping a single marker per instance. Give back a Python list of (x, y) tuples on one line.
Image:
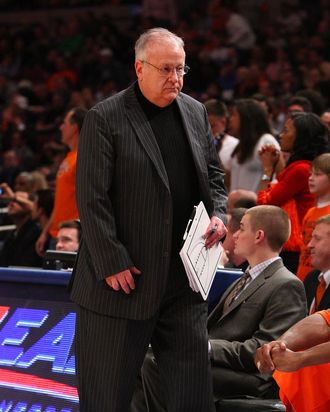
[(68, 129), (319, 247), (67, 239), (159, 89), (244, 239)]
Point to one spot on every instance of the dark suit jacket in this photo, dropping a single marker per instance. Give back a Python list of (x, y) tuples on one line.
[(311, 283), (125, 205), (270, 304), (19, 248)]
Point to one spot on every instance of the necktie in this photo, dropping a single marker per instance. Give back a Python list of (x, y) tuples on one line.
[(236, 290), (319, 294)]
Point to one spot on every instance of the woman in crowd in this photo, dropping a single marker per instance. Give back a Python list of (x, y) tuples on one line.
[(249, 123), (304, 137)]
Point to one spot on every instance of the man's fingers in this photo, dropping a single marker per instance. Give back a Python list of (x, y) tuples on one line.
[(123, 280), (126, 282), (114, 283)]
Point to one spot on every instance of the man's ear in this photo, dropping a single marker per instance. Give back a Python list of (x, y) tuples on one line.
[(138, 68), (260, 236)]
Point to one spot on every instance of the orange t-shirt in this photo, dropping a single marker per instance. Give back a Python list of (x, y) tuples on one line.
[(308, 389), (314, 213), (65, 206)]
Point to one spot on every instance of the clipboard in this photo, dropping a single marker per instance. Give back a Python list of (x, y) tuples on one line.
[(200, 263)]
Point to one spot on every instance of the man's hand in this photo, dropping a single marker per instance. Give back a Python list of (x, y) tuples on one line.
[(215, 231), (123, 280), (263, 359), (287, 360), (40, 243)]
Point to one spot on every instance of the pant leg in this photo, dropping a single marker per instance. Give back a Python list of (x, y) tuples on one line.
[(109, 354), (179, 343), (152, 385)]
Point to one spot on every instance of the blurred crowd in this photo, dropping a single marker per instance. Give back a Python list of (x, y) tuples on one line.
[(273, 51)]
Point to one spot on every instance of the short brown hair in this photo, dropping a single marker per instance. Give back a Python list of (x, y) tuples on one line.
[(71, 224), (322, 163), (275, 223)]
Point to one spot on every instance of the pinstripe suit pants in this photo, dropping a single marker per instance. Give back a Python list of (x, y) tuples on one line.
[(110, 352)]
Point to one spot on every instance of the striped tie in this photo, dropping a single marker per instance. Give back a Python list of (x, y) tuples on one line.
[(236, 290)]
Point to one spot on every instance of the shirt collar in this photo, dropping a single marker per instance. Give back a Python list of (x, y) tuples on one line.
[(326, 277), (260, 267)]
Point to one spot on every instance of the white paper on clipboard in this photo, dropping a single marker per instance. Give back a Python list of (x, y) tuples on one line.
[(200, 263)]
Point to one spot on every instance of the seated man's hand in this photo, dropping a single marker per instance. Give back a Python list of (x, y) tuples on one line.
[(263, 359)]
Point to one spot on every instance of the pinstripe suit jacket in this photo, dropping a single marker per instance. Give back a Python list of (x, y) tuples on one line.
[(125, 204)]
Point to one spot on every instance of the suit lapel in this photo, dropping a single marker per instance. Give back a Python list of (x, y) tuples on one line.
[(217, 315), (144, 132)]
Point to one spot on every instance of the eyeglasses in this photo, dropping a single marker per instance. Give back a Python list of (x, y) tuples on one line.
[(166, 71)]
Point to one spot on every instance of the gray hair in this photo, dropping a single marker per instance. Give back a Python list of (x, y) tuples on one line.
[(154, 34)]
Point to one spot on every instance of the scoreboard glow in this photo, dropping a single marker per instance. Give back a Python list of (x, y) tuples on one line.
[(37, 363)]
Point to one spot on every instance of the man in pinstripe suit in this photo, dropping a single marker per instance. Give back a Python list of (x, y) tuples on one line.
[(145, 158)]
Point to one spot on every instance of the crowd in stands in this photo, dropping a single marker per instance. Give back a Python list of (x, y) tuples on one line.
[(262, 68)]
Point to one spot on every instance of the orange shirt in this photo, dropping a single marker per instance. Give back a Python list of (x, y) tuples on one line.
[(314, 213), (308, 389), (65, 206)]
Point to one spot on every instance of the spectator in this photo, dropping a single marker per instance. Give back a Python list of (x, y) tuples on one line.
[(229, 258), (325, 117), (263, 303), (10, 167), (319, 185), (65, 207), (24, 182), (43, 206), (304, 137), (18, 248), (317, 281), (248, 122), (68, 236), (299, 104), (218, 117)]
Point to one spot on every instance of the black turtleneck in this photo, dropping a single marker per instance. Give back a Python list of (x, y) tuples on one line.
[(166, 124)]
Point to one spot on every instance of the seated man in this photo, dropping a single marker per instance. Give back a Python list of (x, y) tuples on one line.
[(262, 304), (317, 281), (68, 236)]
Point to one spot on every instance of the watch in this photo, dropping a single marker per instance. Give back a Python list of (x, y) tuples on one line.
[(265, 177)]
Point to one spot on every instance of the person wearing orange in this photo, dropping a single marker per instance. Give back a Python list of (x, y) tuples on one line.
[(301, 358), (319, 185), (65, 207), (304, 137)]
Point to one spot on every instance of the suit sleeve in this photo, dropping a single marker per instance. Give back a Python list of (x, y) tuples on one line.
[(286, 306), (216, 178), (95, 168)]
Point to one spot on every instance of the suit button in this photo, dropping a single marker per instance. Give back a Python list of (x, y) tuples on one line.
[(167, 221)]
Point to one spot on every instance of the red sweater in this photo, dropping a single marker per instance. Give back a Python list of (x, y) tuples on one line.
[(292, 183)]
